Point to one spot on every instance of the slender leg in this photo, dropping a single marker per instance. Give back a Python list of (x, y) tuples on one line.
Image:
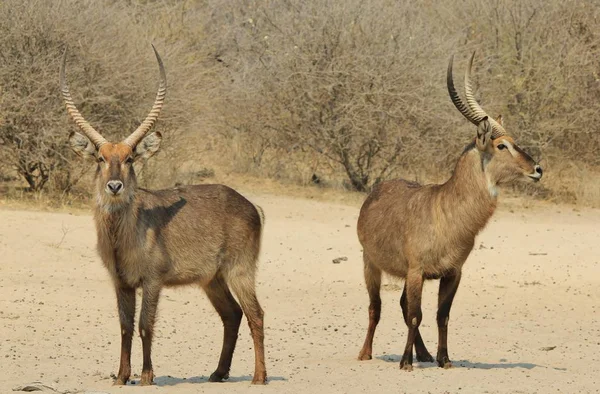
[(414, 288), (373, 283), (126, 305), (448, 286), (422, 354), (231, 314), (151, 292), (243, 287)]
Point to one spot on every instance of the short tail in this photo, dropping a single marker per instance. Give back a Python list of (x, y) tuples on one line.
[(261, 214)]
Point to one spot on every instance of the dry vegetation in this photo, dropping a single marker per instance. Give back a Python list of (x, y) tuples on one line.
[(340, 93)]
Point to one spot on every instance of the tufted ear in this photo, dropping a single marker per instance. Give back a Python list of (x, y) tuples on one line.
[(484, 134), (81, 145), (148, 146), (499, 120)]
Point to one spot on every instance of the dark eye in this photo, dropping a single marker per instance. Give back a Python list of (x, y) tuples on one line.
[(129, 160), (100, 159), (501, 146)]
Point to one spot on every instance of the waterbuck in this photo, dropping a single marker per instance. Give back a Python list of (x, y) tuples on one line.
[(207, 235), (418, 232)]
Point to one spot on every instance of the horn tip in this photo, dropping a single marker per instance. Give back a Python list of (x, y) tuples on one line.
[(155, 50), (472, 57)]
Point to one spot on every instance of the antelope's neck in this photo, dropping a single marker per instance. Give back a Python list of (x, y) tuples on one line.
[(116, 226), (469, 198)]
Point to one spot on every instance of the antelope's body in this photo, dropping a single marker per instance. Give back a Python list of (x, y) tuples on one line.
[(421, 232), (433, 225), (188, 235), (207, 235)]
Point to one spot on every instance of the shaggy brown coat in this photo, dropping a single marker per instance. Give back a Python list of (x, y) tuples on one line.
[(427, 232), (208, 235)]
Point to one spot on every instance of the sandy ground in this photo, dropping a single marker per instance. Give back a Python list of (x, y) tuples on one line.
[(530, 285)]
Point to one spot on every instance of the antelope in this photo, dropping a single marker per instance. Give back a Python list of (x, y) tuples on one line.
[(207, 235), (423, 232)]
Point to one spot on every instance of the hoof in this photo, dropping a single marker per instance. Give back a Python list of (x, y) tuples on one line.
[(260, 379), (405, 366), (364, 356), (147, 378), (447, 365), (444, 362), (120, 382), (218, 377), (425, 358)]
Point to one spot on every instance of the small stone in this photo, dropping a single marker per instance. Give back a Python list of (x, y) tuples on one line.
[(340, 259)]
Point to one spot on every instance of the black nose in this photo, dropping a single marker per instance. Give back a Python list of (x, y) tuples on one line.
[(539, 170), (114, 186)]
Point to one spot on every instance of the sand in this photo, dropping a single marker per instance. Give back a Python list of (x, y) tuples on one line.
[(525, 318)]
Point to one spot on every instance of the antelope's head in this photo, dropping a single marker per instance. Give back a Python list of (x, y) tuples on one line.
[(503, 161), (115, 176)]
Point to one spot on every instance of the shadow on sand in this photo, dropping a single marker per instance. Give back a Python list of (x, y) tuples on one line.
[(165, 381), (468, 364)]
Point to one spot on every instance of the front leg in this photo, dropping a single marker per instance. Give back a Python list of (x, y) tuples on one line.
[(414, 288), (448, 286), (126, 305), (151, 293)]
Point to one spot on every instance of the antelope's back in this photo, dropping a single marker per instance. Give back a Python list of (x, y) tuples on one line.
[(203, 222)]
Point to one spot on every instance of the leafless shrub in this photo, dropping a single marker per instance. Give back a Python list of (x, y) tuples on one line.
[(323, 76), (349, 92), (111, 72), (362, 83)]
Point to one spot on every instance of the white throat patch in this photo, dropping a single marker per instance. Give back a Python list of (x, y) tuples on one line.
[(491, 186)]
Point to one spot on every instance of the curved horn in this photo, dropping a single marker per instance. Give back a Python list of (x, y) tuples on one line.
[(147, 124), (476, 110), (84, 126), (466, 111)]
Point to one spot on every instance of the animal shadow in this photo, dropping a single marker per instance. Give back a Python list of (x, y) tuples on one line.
[(166, 381), (394, 358), (468, 364)]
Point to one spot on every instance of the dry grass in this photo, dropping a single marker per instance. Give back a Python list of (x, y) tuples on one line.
[(316, 97)]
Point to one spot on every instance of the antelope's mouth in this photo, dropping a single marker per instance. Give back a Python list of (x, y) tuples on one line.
[(537, 173)]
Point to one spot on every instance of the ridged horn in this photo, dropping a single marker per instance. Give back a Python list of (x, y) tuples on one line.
[(476, 110), (83, 125), (458, 103), (147, 124)]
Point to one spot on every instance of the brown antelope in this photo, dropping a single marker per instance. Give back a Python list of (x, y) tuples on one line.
[(424, 232), (208, 235)]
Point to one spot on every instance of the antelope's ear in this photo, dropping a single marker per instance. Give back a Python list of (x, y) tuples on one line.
[(484, 134), (81, 145), (148, 146), (499, 120)]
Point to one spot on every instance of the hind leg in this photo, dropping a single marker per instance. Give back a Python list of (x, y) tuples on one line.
[(231, 314), (373, 283), (422, 354), (243, 285)]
